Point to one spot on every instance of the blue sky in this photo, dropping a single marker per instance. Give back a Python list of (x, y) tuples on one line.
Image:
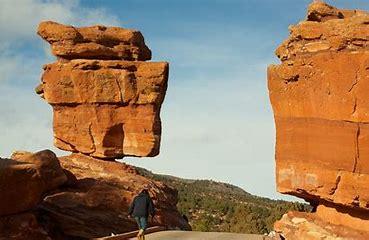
[(217, 120)]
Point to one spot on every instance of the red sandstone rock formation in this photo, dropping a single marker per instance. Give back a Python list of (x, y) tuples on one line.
[(25, 178), (106, 99), (22, 226), (319, 95), (96, 42), (78, 197), (96, 205), (300, 225)]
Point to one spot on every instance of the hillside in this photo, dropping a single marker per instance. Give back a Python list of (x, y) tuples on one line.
[(220, 207)]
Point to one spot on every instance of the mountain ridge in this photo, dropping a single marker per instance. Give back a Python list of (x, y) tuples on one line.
[(222, 207)]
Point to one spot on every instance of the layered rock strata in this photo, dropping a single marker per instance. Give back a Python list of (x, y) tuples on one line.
[(319, 95), (106, 98)]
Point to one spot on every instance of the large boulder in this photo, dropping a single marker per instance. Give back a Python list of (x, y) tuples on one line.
[(25, 178), (95, 42), (97, 200), (106, 104), (106, 109), (22, 226), (320, 100)]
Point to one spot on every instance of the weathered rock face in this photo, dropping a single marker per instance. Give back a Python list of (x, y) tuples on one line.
[(319, 95), (103, 108), (299, 225), (106, 103), (96, 203), (96, 42), (22, 226), (25, 178)]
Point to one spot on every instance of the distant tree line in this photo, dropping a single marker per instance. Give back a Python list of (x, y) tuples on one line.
[(215, 206)]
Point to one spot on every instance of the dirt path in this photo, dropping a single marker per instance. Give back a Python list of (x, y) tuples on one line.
[(181, 235)]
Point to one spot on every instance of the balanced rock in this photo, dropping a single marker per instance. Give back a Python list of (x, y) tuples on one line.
[(319, 95), (97, 204), (25, 178), (103, 108)]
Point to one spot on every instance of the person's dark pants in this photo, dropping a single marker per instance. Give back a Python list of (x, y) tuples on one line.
[(141, 222)]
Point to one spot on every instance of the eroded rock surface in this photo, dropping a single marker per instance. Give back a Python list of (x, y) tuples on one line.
[(96, 203), (22, 226), (95, 42), (319, 95), (106, 99), (299, 225), (25, 178)]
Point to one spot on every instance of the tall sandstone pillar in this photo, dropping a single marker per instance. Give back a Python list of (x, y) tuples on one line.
[(320, 99)]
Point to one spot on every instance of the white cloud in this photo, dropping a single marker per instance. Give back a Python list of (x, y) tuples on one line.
[(18, 26), (26, 120), (19, 18)]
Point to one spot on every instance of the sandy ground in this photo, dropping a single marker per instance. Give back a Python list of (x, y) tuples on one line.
[(182, 235)]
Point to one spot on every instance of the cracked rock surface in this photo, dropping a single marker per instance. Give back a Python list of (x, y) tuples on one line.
[(319, 94)]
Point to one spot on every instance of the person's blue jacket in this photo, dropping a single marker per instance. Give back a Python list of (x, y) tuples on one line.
[(142, 205)]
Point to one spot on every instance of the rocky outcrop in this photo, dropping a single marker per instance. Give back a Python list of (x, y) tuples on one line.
[(25, 178), (106, 99), (96, 205), (22, 226), (320, 102), (96, 42), (76, 197), (300, 225)]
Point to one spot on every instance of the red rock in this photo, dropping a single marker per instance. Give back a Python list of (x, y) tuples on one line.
[(25, 178), (22, 226), (103, 108), (106, 102), (319, 95), (97, 205), (105, 82), (347, 32), (308, 226), (106, 109), (96, 42), (352, 218)]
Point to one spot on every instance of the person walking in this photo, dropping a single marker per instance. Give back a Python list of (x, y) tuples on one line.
[(140, 208)]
